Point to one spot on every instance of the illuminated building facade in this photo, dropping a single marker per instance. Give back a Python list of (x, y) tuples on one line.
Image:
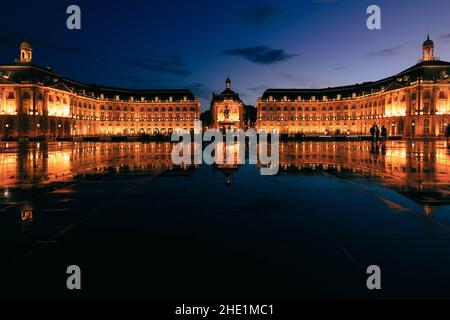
[(227, 109), (37, 102), (415, 102)]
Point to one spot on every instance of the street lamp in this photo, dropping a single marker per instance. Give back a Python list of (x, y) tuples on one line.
[(7, 130)]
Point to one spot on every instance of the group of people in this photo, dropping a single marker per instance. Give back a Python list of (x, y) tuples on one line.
[(375, 132)]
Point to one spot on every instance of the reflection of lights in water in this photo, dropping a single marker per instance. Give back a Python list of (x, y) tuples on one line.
[(26, 215), (428, 210), (6, 194)]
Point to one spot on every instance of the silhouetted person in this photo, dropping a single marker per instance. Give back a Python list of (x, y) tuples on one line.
[(377, 133), (383, 133), (372, 132)]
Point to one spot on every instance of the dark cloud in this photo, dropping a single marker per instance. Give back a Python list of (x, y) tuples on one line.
[(130, 78), (258, 88), (390, 52), (261, 15), (260, 54), (445, 37), (199, 90), (170, 65)]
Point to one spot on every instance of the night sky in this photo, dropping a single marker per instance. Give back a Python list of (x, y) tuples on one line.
[(196, 44)]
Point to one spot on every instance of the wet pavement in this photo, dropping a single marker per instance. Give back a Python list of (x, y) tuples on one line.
[(139, 228)]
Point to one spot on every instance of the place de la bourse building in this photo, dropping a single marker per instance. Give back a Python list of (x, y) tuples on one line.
[(415, 102), (227, 109), (37, 102)]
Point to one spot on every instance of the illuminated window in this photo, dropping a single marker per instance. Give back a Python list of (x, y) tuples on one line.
[(426, 126)]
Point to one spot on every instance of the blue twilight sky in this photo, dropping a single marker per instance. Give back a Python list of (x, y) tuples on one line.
[(195, 44)]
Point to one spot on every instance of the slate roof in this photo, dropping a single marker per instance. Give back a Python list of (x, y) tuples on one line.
[(436, 71), (21, 73)]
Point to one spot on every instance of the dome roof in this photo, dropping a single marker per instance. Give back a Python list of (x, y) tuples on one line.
[(25, 45), (428, 42)]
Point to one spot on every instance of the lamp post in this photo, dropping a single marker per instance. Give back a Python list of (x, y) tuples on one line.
[(38, 129)]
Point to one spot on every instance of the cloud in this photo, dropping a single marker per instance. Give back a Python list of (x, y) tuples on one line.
[(260, 54), (445, 37), (130, 78), (260, 15), (199, 90), (171, 65), (162, 65), (389, 52), (258, 88)]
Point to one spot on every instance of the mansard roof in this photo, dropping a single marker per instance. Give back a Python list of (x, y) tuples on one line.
[(226, 94), (27, 73), (434, 71)]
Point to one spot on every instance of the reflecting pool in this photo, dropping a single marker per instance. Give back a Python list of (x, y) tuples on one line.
[(125, 213), (419, 169)]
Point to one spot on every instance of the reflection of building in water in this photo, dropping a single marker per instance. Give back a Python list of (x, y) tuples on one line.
[(227, 159), (227, 170), (34, 163), (26, 215), (227, 109), (36, 101), (420, 166), (415, 102)]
